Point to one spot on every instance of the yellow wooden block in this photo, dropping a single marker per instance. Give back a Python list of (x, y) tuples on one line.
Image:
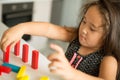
[(24, 78), (44, 78), (21, 72)]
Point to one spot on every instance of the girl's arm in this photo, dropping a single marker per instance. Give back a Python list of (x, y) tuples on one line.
[(50, 30), (14, 34), (108, 68)]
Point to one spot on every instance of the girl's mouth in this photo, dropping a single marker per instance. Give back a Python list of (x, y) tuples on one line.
[(82, 37)]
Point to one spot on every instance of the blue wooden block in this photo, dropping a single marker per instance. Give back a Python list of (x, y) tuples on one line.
[(13, 67)]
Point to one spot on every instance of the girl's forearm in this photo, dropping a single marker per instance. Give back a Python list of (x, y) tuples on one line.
[(34, 28), (46, 29), (78, 75)]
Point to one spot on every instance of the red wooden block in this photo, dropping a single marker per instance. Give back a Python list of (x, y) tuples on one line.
[(25, 53), (17, 48), (0, 73), (5, 69), (35, 57), (6, 55)]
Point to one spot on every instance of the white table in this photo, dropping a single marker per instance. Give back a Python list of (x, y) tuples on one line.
[(16, 60)]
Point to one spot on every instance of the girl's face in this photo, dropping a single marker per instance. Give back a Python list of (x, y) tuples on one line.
[(91, 30)]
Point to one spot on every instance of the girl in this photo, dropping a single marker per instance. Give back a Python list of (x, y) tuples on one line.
[(93, 53)]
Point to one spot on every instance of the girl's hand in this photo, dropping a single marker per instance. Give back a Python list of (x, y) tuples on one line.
[(59, 64), (11, 36)]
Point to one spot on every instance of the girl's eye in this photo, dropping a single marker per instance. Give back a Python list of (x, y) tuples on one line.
[(92, 29), (83, 21)]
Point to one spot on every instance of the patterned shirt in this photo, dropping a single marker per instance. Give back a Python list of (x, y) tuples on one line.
[(89, 64)]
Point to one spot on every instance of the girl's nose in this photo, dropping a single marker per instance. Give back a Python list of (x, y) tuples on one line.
[(84, 31)]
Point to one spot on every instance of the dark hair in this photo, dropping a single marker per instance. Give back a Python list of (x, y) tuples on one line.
[(111, 21)]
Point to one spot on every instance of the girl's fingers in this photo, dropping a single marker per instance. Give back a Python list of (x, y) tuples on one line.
[(57, 48), (59, 58), (59, 55), (56, 67), (4, 37), (5, 44), (54, 56), (58, 71), (55, 64), (2, 41), (13, 43), (59, 68), (8, 43)]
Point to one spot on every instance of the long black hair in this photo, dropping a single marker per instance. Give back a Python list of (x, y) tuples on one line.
[(111, 19)]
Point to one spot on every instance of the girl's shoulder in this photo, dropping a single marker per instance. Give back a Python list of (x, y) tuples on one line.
[(109, 61), (108, 67)]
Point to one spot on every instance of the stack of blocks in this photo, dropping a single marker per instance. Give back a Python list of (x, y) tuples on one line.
[(6, 67), (35, 54)]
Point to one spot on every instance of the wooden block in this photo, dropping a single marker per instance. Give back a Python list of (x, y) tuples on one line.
[(21, 72), (13, 67), (44, 78), (0, 73), (6, 55), (25, 53), (26, 77), (17, 49), (5, 69), (35, 57)]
